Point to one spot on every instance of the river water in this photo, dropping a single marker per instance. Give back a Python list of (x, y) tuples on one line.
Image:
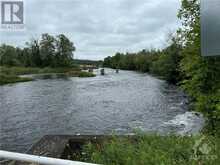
[(114, 103)]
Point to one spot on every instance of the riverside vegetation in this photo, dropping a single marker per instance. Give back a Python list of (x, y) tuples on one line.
[(180, 63), (153, 150), (11, 74), (47, 55)]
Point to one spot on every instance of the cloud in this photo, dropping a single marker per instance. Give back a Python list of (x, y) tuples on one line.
[(99, 28)]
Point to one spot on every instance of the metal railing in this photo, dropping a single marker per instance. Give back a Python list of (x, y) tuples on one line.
[(38, 159)]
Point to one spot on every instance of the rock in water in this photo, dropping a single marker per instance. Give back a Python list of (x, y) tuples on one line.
[(102, 71)]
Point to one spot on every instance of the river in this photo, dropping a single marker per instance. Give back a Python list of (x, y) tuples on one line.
[(114, 103)]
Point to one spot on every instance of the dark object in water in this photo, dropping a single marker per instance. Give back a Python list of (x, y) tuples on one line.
[(117, 71), (102, 71)]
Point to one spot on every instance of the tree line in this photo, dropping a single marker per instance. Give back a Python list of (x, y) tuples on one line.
[(163, 63), (48, 51), (181, 63)]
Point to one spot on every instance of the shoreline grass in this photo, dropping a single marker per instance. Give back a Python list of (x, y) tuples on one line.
[(80, 74), (30, 70), (11, 74), (9, 79), (154, 149)]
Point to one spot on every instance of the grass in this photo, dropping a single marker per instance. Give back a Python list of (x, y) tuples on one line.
[(29, 70), (11, 74), (154, 150), (80, 74), (6, 79)]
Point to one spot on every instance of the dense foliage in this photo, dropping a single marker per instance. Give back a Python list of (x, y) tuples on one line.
[(87, 62), (182, 63), (164, 63), (49, 51), (201, 74), (153, 150)]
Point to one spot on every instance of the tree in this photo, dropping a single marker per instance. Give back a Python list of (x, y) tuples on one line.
[(201, 74), (8, 55), (65, 48), (107, 62), (35, 48), (27, 57), (47, 50)]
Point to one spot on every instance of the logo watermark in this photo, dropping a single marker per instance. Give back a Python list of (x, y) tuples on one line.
[(204, 149), (12, 15)]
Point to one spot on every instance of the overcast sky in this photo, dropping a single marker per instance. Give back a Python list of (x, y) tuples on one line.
[(100, 28)]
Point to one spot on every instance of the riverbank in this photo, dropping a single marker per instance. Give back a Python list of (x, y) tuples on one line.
[(6, 79), (130, 149), (122, 113), (152, 149), (11, 74)]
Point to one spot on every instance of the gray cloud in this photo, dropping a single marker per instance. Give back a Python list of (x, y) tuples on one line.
[(99, 27)]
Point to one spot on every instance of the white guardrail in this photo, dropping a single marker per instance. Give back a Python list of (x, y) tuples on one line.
[(38, 159)]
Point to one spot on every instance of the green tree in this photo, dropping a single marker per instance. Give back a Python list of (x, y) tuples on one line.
[(201, 74), (35, 48), (107, 62), (167, 65), (8, 55), (65, 48), (48, 52), (47, 49)]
